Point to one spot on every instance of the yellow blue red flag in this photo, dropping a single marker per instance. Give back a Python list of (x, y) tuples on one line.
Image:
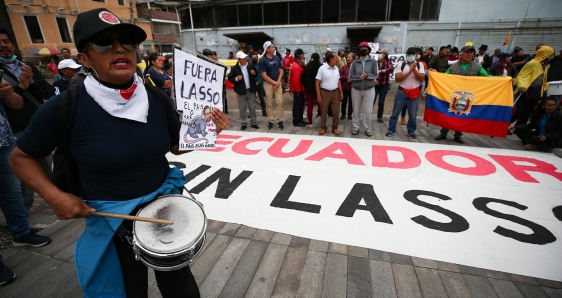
[(480, 105)]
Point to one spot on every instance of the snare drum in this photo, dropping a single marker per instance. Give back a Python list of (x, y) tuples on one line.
[(170, 247), (554, 88)]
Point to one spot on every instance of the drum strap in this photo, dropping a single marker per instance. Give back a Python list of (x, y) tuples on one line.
[(122, 233)]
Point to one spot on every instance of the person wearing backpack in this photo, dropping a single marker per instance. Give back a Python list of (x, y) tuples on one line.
[(409, 76), (119, 146)]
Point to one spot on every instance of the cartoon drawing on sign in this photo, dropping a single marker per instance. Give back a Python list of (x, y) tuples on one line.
[(198, 125), (461, 102)]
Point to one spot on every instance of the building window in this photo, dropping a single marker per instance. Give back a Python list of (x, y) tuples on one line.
[(400, 10), (250, 15), (348, 10), (185, 19), (430, 10), (165, 28), (63, 30), (33, 28), (226, 16), (276, 13), (371, 11), (330, 11), (203, 17), (121, 2)]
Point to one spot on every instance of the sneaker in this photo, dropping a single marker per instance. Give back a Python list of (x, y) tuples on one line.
[(355, 132), (368, 133), (389, 134), (349, 117), (459, 140), (412, 135), (270, 125), (243, 127), (379, 120), (255, 126), (342, 117), (509, 132), (330, 116), (440, 137), (6, 275), (317, 116), (532, 147), (280, 124), (31, 239)]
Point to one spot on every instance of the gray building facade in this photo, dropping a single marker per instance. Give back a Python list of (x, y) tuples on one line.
[(315, 25)]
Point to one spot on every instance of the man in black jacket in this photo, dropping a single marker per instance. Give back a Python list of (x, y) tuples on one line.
[(484, 59), (28, 82), (243, 76), (544, 131)]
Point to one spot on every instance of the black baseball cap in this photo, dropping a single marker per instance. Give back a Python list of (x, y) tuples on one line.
[(299, 52), (207, 52), (100, 20), (415, 50)]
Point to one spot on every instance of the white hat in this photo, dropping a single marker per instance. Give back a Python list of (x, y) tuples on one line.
[(328, 50), (266, 45), (241, 55), (68, 63)]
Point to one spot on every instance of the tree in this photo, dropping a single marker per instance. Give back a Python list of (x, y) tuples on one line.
[(7, 24)]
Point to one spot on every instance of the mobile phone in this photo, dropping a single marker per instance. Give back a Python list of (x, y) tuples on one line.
[(1, 74)]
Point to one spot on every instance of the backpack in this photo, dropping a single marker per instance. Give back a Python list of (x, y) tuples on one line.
[(404, 65), (65, 173)]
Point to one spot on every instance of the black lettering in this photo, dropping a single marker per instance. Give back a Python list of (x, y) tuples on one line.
[(557, 212), (372, 203), (225, 187), (202, 92), (177, 164), (281, 200), (199, 71), (191, 175), (214, 76), (207, 73), (540, 234), (457, 224), (210, 95), (187, 62), (194, 71), (216, 98), (192, 92)]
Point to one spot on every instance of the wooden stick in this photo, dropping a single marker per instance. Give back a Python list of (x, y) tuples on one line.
[(138, 218)]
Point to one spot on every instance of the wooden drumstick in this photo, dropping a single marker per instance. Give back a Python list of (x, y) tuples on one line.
[(137, 218)]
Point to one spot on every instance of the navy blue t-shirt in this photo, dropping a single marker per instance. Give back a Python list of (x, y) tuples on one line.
[(159, 79), (118, 159), (270, 66)]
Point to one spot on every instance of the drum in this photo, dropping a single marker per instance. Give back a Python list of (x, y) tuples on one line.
[(170, 247), (554, 88)]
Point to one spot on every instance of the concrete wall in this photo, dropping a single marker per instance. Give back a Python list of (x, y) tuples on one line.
[(309, 38), (485, 10)]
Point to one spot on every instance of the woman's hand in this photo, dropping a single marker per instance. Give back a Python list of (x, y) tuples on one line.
[(542, 138), (220, 119), (67, 206)]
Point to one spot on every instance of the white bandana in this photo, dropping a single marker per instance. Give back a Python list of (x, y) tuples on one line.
[(131, 103)]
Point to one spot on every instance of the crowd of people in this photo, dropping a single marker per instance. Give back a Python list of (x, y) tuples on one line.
[(347, 83), (105, 126)]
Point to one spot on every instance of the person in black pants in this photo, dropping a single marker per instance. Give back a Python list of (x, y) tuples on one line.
[(544, 131), (297, 88)]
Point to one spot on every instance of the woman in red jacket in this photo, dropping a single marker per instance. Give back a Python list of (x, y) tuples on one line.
[(297, 88)]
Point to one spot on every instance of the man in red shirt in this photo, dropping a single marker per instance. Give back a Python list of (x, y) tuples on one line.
[(297, 88), (287, 64)]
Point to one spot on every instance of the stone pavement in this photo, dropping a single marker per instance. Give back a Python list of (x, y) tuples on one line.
[(241, 261)]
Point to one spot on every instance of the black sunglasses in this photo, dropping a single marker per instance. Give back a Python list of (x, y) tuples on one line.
[(104, 43)]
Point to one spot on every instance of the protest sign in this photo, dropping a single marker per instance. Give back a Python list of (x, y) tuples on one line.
[(199, 87)]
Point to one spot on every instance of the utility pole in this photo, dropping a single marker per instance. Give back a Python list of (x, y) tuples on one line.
[(5, 19)]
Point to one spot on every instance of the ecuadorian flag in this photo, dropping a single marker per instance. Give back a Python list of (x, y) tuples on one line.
[(480, 105)]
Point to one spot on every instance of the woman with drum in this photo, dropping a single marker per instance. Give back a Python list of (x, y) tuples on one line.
[(119, 139)]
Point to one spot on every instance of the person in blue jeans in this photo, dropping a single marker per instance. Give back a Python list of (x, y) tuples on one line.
[(408, 78), (11, 199)]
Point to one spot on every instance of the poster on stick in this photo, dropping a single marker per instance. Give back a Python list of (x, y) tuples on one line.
[(488, 208), (199, 88)]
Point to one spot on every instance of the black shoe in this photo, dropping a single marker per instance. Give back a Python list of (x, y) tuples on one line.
[(31, 239), (317, 116), (270, 125), (243, 127), (255, 126), (300, 124), (440, 137), (349, 117), (6, 275), (509, 132), (379, 120), (459, 140), (280, 124), (342, 117), (226, 112), (305, 122)]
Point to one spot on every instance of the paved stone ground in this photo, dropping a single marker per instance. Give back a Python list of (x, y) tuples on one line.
[(241, 261)]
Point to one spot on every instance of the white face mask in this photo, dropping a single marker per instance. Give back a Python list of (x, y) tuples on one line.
[(411, 58)]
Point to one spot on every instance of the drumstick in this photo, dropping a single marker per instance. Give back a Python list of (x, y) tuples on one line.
[(137, 218)]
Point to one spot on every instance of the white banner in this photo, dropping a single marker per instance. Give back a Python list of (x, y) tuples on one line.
[(487, 208), (199, 88)]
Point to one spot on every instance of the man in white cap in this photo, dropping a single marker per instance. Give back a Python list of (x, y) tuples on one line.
[(271, 71), (67, 68), (243, 75)]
